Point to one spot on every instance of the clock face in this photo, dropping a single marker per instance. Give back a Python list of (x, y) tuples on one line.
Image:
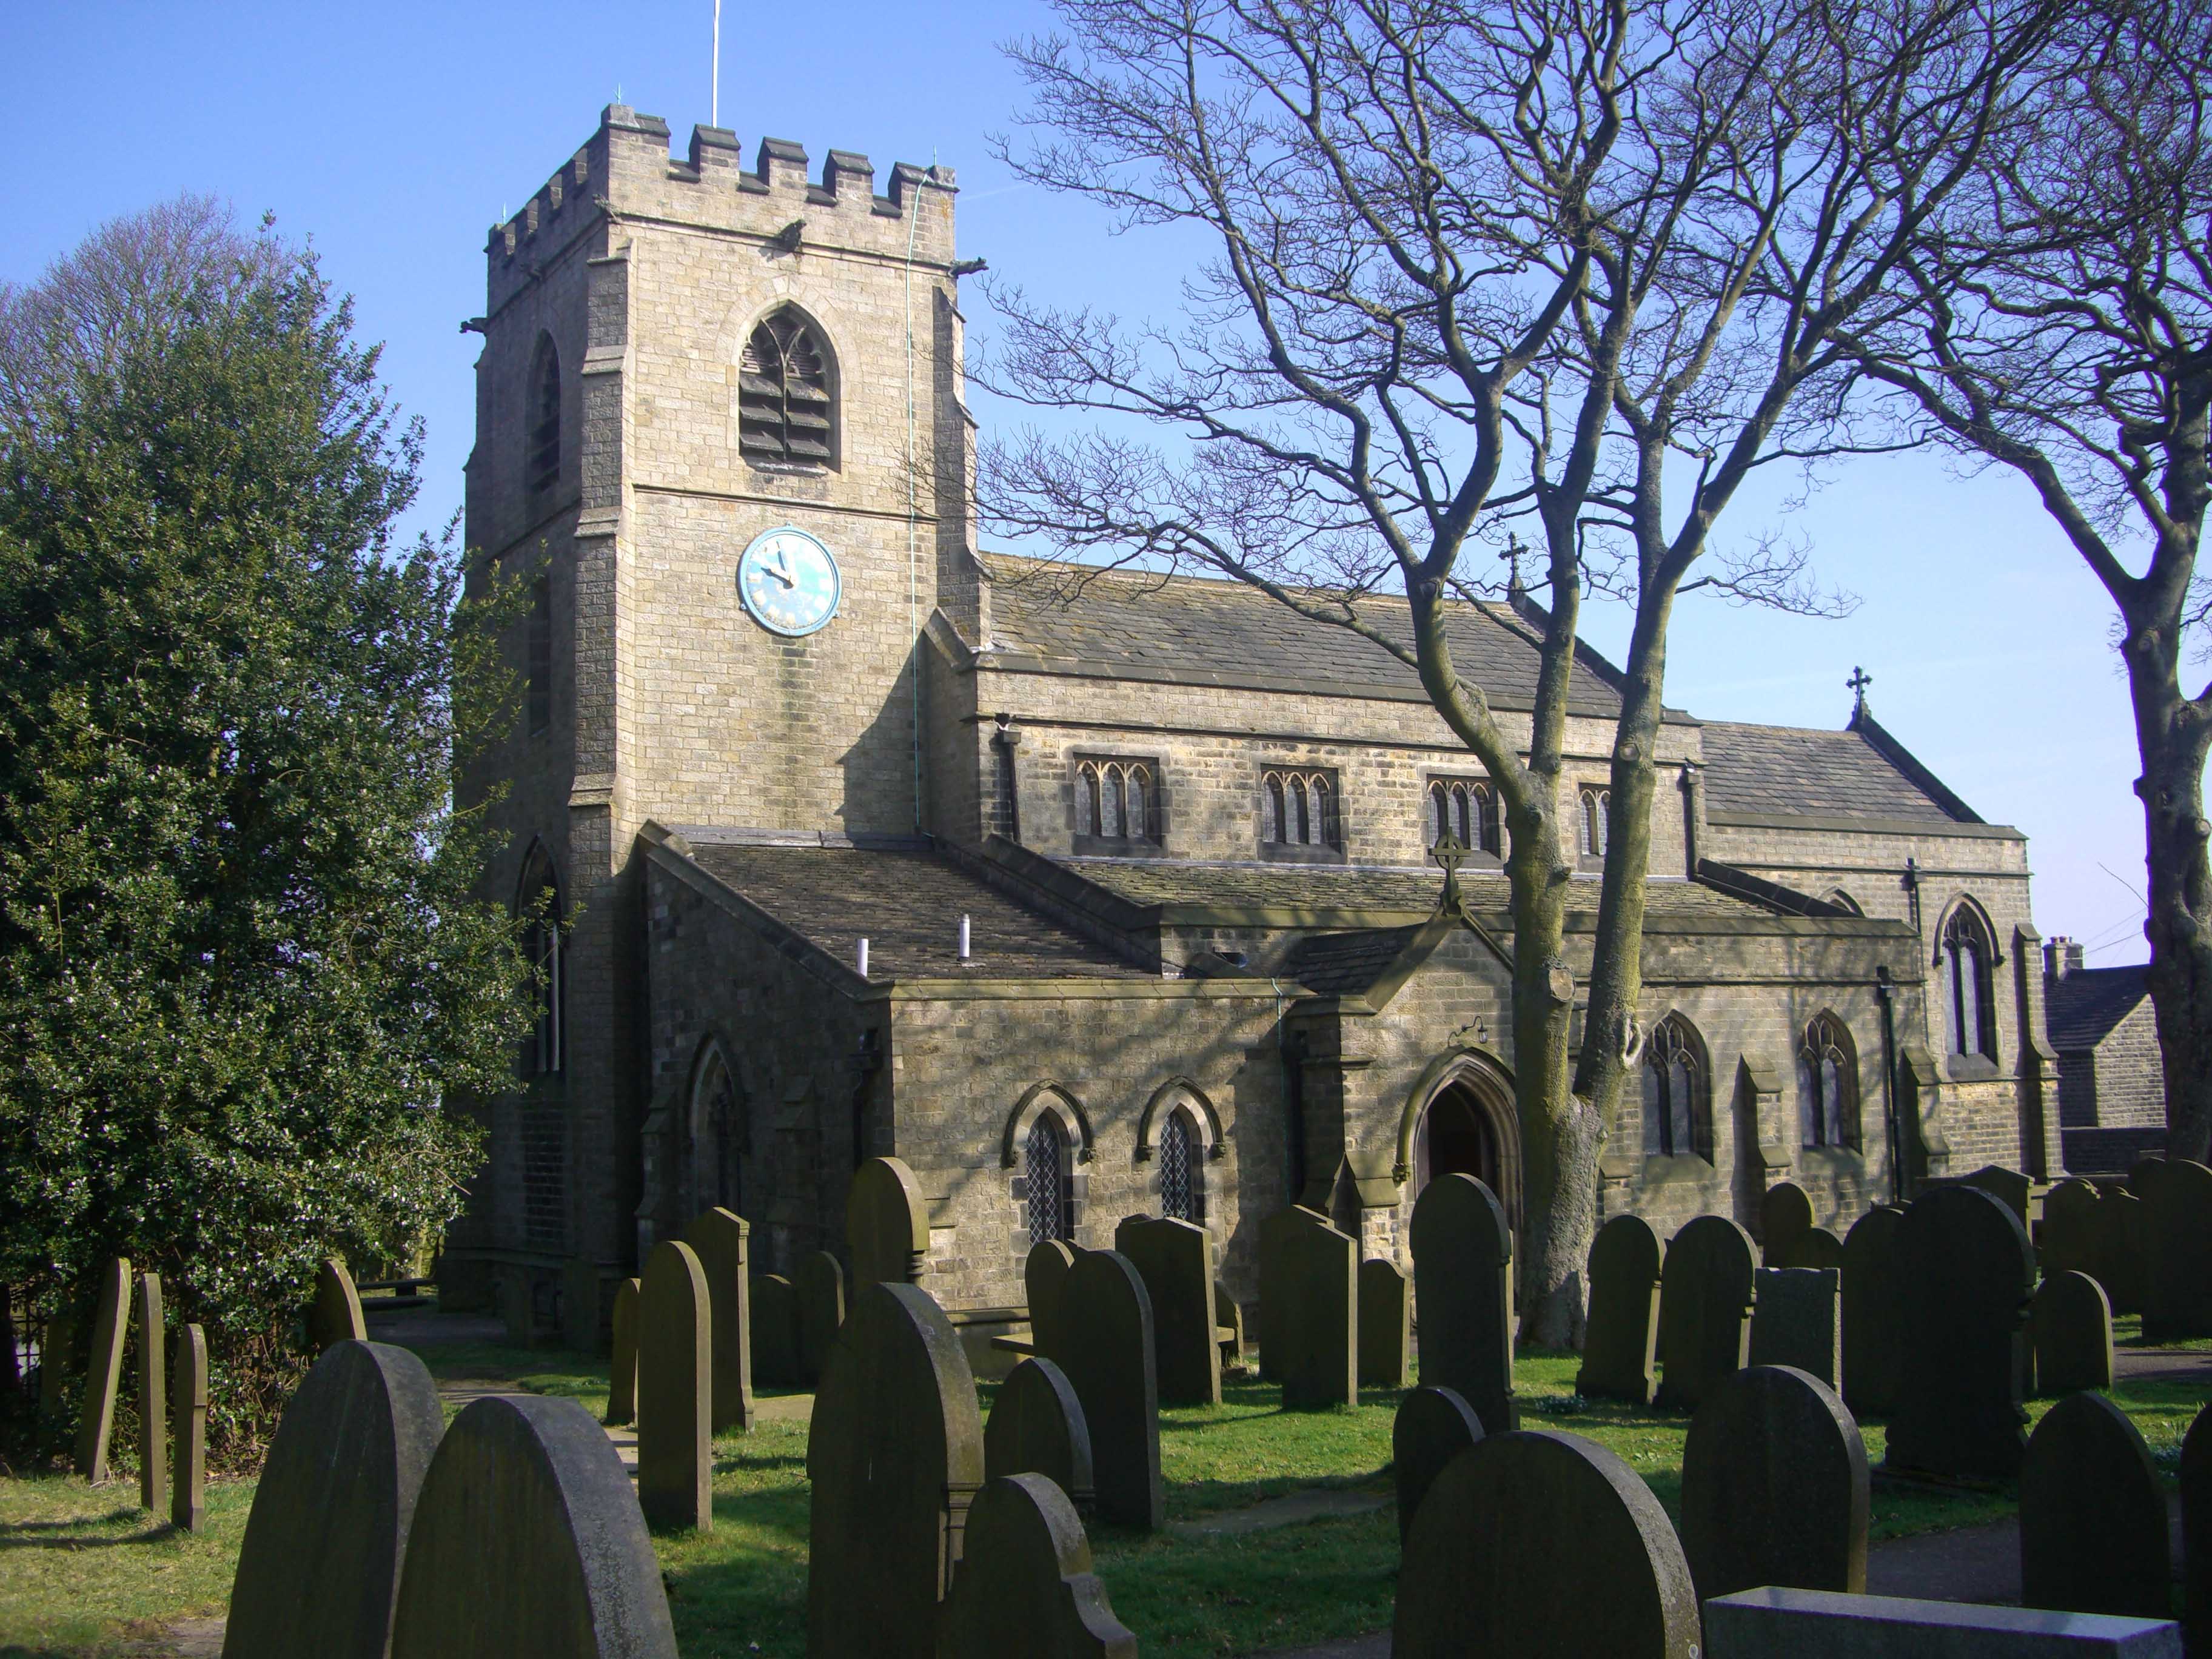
[(788, 582)]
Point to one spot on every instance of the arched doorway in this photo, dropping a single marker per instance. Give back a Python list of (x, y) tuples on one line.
[(1456, 1137), (1460, 1121)]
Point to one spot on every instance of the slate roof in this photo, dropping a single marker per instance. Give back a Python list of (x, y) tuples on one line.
[(1798, 772), (2082, 1008), (1213, 631), (908, 904), (1344, 964)]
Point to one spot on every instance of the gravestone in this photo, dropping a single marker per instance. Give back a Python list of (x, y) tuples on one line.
[(775, 1329), (1228, 1325), (1785, 1216), (1309, 1311), (1044, 1277), (1797, 1321), (103, 1372), (2197, 1531), (886, 1224), (2123, 1247), (1622, 1336), (1037, 1427), (336, 1316), (527, 1545), (2009, 1187), (2071, 1325), (1818, 1248), (1771, 1623), (188, 1406), (319, 1568), (1432, 1426), (1463, 1281), (819, 1283), (1174, 1259), (622, 1375), (1965, 1272), (720, 1239), (1108, 1354), (675, 1388), (1026, 1586), (2071, 1238), (2093, 1531), (2179, 1306), (152, 1397), (1705, 1311), (1386, 1330), (1774, 1486), (2143, 1174), (1873, 1332), (1513, 1543), (895, 1453)]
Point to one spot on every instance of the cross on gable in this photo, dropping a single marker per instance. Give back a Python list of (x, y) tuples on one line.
[(1859, 681), (1449, 853)]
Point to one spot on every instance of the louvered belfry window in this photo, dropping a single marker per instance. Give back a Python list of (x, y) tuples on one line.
[(783, 394)]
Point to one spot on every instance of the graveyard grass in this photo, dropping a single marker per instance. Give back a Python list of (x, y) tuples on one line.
[(83, 1572)]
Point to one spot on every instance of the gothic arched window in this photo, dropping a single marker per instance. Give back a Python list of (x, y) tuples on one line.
[(784, 408), (717, 1138), (1597, 805), (1182, 1182), (1963, 954), (1045, 1181), (1678, 1118), (542, 432), (1298, 809), (1116, 800), (1467, 807), (1827, 1085), (538, 901)]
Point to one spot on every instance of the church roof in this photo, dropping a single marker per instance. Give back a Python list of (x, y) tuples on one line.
[(1861, 772), (1051, 617), (2082, 1008)]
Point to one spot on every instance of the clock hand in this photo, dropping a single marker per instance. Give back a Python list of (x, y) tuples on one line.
[(774, 565)]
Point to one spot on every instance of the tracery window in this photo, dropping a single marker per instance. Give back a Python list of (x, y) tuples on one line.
[(542, 439), (1827, 1085), (717, 1138), (784, 408), (1963, 954), (1298, 810), (1677, 1093), (1182, 1191), (1597, 805), (1117, 801), (1467, 807), (1045, 1181), (544, 947)]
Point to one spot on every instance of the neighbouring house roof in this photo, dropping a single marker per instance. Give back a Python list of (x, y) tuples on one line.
[(2082, 1009), (1861, 772)]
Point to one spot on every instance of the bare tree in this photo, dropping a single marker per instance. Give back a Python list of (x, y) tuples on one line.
[(1474, 264)]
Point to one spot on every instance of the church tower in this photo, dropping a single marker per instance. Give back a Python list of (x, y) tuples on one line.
[(722, 444)]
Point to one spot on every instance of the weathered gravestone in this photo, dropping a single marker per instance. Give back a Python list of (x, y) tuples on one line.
[(722, 1239), (1774, 1623), (886, 1223), (775, 1329), (1309, 1311), (622, 1375), (1512, 1541), (2093, 1536), (819, 1283), (1228, 1325), (152, 1397), (1785, 1217), (2143, 1174), (1705, 1311), (188, 1404), (2197, 1531), (1463, 1281), (1386, 1329), (2071, 1325), (1797, 1321), (1819, 1249), (1044, 1279), (1108, 1354), (1037, 1427), (2010, 1187), (319, 1570), (675, 1388), (2123, 1247), (1432, 1427), (1774, 1486), (103, 1371), (1025, 1587), (895, 1453), (2071, 1237), (1965, 1272), (2179, 1306), (1174, 1259), (1622, 1336), (1874, 1332), (336, 1316), (528, 1545)]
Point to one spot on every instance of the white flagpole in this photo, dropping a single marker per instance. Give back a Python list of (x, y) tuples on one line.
[(715, 98)]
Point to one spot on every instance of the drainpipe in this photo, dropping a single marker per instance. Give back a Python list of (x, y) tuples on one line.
[(1886, 994)]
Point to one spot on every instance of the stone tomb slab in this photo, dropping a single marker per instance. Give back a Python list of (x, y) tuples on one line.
[(2071, 1324), (1770, 1623), (1107, 1356), (819, 1283), (622, 1374), (1309, 1311), (895, 1453), (1463, 1282), (722, 1239), (1176, 1260), (336, 1316), (1774, 1486), (886, 1224), (1874, 1334), (320, 1568), (1037, 1427), (1797, 1321), (1966, 1271), (103, 1372), (2093, 1526), (1705, 1311), (1386, 1331), (675, 1388), (1026, 1586), (1432, 1427), (527, 1543), (1622, 1336)]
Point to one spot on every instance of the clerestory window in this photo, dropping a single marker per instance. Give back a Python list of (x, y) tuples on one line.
[(1677, 1093), (1468, 808), (1964, 954), (1300, 814), (785, 410), (1117, 806), (1827, 1085), (1596, 806)]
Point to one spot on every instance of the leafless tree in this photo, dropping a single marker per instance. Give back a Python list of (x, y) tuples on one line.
[(1473, 265)]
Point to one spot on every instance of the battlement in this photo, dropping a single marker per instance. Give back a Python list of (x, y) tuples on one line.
[(627, 171)]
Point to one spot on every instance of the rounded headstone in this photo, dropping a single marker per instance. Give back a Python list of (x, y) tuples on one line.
[(2071, 1324), (1510, 1543), (1774, 1487), (2197, 1532), (1622, 1336), (2093, 1524), (775, 1329), (1037, 1427), (818, 1282), (1106, 1353), (886, 1223), (527, 1543), (1025, 1585), (2179, 1308), (1432, 1427), (675, 1388), (336, 1316), (1176, 1260), (722, 1239), (1818, 1248), (1785, 1216), (1044, 1277), (319, 1567), (2073, 1229), (1705, 1309), (1463, 1283), (1872, 1315), (1386, 1329)]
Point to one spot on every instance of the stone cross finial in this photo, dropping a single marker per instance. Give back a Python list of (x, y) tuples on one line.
[(1449, 853), (1859, 681), (1511, 558)]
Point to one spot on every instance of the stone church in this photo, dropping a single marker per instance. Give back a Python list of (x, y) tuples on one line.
[(844, 836)]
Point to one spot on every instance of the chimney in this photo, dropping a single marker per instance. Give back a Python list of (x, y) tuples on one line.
[(2061, 956)]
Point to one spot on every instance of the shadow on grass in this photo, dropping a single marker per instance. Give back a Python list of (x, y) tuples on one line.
[(124, 1513)]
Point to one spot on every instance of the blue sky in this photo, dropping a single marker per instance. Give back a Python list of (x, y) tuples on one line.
[(395, 134)]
